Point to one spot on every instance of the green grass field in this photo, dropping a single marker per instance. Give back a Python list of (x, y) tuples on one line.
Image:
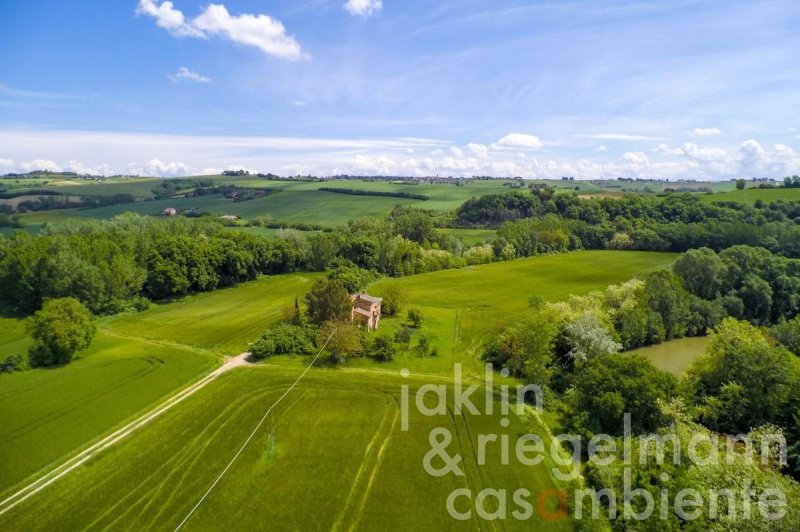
[(138, 359), (47, 414), (134, 362), (750, 195), (222, 321), (461, 307), (676, 355), (331, 456)]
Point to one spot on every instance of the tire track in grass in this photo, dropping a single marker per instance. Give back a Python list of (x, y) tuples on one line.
[(376, 467), (165, 504), (172, 465), (468, 479), (252, 434), (84, 456), (175, 463), (364, 466)]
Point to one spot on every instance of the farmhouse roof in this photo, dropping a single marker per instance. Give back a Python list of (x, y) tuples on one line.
[(371, 299)]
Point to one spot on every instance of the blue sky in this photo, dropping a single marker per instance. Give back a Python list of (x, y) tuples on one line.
[(604, 88)]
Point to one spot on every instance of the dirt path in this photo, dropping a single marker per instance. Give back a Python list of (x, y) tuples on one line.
[(73, 463)]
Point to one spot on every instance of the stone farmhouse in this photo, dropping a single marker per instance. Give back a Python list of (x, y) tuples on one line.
[(366, 310)]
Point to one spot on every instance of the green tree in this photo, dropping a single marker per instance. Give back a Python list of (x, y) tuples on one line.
[(740, 184), (666, 296), (60, 329), (415, 318), (344, 340), (328, 301), (283, 339), (742, 381), (701, 271), (526, 347), (609, 386), (403, 335), (394, 298), (788, 334), (423, 347), (382, 349)]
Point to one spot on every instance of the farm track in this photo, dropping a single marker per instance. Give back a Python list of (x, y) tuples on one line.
[(73, 463)]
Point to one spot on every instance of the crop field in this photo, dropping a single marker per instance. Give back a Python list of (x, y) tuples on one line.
[(47, 413), (135, 361), (333, 448), (139, 359), (676, 355), (292, 202), (750, 195), (268, 232)]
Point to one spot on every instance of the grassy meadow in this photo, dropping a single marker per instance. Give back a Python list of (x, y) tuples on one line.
[(332, 456)]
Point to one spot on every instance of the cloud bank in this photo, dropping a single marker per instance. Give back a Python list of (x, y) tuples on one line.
[(511, 155)]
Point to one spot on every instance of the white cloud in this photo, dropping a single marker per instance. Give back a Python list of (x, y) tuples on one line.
[(751, 153), (636, 158), (169, 18), (176, 155), (520, 140), (601, 148), (478, 150), (184, 74), (705, 132), (260, 31), (784, 151), (363, 8), (299, 103), (156, 167)]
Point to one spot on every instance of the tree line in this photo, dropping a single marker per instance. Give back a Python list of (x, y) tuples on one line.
[(542, 221)]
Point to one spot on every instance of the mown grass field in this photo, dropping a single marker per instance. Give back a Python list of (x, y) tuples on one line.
[(331, 456), (471, 236), (676, 355)]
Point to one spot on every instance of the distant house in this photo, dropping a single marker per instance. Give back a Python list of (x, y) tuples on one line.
[(366, 310), (229, 218), (170, 211)]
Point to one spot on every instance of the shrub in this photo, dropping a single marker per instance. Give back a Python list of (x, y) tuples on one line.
[(382, 349), (283, 339), (415, 318), (11, 364)]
